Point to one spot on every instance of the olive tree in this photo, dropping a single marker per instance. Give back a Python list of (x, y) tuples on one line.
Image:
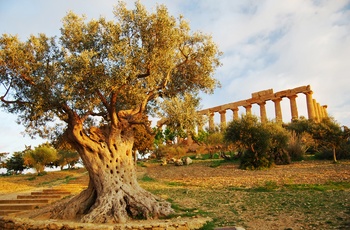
[(330, 135), (264, 143), (100, 78), (40, 157)]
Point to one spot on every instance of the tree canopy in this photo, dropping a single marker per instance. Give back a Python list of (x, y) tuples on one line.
[(109, 69)]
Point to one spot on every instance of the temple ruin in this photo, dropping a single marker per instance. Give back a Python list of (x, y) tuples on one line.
[(315, 111)]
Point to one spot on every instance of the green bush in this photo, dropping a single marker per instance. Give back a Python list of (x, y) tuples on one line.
[(296, 148), (264, 144), (169, 151), (255, 160)]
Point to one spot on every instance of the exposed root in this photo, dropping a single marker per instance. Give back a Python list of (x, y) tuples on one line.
[(120, 206)]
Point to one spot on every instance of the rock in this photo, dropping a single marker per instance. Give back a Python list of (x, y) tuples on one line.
[(199, 156), (187, 161), (178, 162), (171, 161), (164, 162)]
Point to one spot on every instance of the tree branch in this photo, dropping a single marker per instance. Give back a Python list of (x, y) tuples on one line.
[(144, 75)]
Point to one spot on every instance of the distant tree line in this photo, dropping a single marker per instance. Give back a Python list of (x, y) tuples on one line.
[(44, 155), (256, 145)]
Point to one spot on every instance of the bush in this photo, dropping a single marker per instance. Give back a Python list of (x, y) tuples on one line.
[(254, 160), (296, 148), (343, 152), (263, 144), (169, 151), (326, 154)]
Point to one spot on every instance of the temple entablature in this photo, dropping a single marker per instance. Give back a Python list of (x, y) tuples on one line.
[(315, 110)]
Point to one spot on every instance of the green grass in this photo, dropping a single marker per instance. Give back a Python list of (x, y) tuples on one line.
[(147, 178), (64, 180), (323, 206)]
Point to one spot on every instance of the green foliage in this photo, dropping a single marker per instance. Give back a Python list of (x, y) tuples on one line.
[(169, 151), (147, 178), (15, 163), (300, 126), (255, 160), (330, 135), (134, 64), (66, 157), (278, 142), (159, 138), (201, 136), (2, 159), (188, 119), (143, 140), (169, 135), (214, 139), (264, 143), (40, 157), (296, 147)]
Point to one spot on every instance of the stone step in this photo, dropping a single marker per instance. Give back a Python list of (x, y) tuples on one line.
[(6, 212), (25, 201), (51, 193), (39, 196), (19, 207)]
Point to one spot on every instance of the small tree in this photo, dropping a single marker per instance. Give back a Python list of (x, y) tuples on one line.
[(301, 139), (329, 134), (278, 143), (263, 143), (15, 163), (66, 157), (40, 157)]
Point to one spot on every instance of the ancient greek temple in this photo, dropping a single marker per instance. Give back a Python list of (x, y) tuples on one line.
[(315, 111)]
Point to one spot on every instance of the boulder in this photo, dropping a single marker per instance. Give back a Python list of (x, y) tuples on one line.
[(187, 161)]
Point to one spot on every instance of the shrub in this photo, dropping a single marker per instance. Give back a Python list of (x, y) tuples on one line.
[(169, 151), (264, 144), (296, 148), (254, 160)]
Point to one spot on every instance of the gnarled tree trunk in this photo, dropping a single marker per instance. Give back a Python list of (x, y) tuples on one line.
[(113, 194)]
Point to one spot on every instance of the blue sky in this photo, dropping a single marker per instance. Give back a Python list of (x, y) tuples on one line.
[(266, 44)]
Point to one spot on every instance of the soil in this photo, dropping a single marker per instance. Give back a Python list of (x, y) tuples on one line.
[(306, 172)]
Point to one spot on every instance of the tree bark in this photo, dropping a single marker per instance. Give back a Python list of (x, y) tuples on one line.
[(113, 194), (334, 154)]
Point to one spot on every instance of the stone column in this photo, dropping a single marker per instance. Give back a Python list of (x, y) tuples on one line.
[(318, 107), (248, 109), (310, 105), (322, 111), (325, 110), (317, 114), (211, 121), (293, 107), (263, 116), (235, 113), (278, 110), (223, 118)]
